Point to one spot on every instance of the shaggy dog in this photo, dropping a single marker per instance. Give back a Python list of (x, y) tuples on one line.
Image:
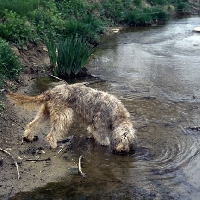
[(106, 117)]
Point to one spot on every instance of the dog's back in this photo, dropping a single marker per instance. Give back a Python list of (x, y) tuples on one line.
[(89, 103)]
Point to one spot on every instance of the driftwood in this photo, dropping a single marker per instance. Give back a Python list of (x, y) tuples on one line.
[(57, 78), (37, 160), (79, 168), (195, 128), (83, 83), (6, 152)]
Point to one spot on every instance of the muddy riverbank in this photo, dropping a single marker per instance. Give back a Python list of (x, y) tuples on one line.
[(38, 165)]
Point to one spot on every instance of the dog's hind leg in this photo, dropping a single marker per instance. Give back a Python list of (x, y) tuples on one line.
[(60, 123), (41, 116)]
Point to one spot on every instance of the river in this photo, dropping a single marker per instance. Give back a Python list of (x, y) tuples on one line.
[(155, 72)]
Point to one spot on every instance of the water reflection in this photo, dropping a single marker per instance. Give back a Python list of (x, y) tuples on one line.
[(155, 73)]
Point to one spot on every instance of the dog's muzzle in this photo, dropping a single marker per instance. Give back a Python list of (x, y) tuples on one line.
[(120, 152)]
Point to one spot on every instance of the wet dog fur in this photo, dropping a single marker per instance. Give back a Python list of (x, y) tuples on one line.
[(106, 117)]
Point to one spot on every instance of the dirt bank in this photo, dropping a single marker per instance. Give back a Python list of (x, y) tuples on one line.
[(38, 164)]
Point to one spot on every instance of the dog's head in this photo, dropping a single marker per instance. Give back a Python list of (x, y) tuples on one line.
[(124, 139), (122, 145)]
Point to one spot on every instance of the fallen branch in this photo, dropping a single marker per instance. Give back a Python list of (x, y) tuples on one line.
[(60, 151), (6, 152), (57, 78), (79, 168), (195, 128), (36, 160), (2, 90), (83, 83)]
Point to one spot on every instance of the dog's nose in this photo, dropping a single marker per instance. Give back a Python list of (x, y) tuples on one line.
[(123, 152)]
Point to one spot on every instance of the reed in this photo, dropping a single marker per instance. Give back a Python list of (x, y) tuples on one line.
[(68, 56)]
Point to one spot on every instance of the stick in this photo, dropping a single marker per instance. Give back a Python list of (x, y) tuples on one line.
[(2, 90), (79, 168), (195, 128), (57, 78), (6, 152), (60, 151), (10, 192), (36, 160)]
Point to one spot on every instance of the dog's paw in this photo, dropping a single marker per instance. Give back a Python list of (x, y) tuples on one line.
[(25, 139), (35, 138)]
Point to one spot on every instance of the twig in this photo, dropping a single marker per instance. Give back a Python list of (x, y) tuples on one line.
[(6, 152), (10, 192), (195, 128), (2, 90), (57, 78), (79, 168), (60, 151), (36, 160)]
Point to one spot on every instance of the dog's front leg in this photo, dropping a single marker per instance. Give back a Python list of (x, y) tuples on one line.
[(100, 135)]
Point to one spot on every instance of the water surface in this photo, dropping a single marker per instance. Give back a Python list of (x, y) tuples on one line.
[(155, 72)]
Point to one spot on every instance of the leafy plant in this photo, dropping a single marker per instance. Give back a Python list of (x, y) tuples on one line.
[(69, 55), (181, 6), (159, 14), (114, 10), (138, 17), (159, 2), (145, 16), (9, 64), (76, 8), (48, 23), (16, 29), (21, 7)]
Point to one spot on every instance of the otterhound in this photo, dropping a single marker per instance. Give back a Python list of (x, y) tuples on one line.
[(106, 117)]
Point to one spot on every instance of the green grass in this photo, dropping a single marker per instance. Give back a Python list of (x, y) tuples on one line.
[(22, 7), (9, 64)]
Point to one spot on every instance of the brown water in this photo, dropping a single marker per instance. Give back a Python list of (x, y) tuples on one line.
[(155, 72)]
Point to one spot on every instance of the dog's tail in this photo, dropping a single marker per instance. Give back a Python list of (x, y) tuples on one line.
[(27, 102)]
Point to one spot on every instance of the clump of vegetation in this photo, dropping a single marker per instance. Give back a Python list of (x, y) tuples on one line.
[(9, 64), (68, 56), (145, 16), (61, 18), (21, 7), (28, 21), (23, 22), (17, 29)]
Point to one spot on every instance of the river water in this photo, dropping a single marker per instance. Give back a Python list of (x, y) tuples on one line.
[(155, 72)]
